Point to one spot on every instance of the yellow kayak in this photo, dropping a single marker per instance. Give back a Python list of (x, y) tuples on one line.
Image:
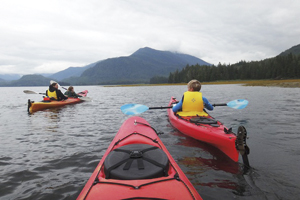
[(42, 105)]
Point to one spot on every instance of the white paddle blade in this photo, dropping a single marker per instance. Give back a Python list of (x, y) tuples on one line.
[(51, 82), (29, 92), (85, 98)]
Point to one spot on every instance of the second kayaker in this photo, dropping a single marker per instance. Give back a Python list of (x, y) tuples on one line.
[(192, 102), (54, 93), (71, 93)]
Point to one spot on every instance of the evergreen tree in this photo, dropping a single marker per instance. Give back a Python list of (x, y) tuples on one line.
[(282, 66)]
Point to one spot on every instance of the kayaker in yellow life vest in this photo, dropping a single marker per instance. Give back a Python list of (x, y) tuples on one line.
[(192, 102), (54, 93)]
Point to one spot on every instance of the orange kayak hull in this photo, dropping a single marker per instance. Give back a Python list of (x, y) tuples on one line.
[(42, 105)]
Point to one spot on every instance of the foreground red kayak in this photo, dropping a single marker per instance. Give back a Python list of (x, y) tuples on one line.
[(137, 165), (42, 105), (211, 131)]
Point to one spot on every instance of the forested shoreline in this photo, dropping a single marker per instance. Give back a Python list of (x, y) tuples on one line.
[(279, 67)]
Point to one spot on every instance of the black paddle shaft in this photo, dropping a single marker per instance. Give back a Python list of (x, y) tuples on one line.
[(220, 104), (161, 107)]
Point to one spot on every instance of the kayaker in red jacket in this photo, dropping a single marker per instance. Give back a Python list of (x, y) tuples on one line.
[(54, 93), (192, 102)]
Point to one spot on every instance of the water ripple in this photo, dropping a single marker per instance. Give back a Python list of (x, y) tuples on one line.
[(51, 154)]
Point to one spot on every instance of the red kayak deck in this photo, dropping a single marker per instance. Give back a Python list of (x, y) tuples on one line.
[(172, 185), (42, 105), (215, 133)]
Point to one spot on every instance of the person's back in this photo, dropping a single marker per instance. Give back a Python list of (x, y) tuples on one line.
[(54, 93), (192, 102)]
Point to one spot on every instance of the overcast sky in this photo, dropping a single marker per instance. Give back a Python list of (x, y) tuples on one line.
[(38, 36)]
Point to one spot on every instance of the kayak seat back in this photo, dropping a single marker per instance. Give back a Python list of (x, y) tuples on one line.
[(135, 162), (204, 120)]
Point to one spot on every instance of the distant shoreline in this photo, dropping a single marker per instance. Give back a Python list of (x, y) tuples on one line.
[(289, 83)]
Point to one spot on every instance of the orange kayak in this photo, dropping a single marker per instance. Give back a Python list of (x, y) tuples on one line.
[(42, 105), (137, 165)]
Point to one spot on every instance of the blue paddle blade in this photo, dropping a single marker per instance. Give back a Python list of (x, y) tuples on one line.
[(238, 104), (133, 109)]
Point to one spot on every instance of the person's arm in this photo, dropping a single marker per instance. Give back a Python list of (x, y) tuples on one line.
[(178, 106), (207, 105), (60, 95), (76, 95)]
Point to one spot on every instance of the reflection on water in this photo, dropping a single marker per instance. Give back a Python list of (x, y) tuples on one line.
[(51, 154)]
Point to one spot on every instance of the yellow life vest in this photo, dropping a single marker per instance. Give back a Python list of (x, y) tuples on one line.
[(192, 104), (52, 94)]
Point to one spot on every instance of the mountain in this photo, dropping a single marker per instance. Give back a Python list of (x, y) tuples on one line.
[(31, 80), (139, 67), (44, 74), (294, 50), (10, 77), (71, 72), (284, 66)]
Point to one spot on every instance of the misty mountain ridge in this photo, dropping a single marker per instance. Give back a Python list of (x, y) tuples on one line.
[(9, 77), (71, 72), (139, 67), (117, 70), (295, 50), (12, 77), (31, 80)]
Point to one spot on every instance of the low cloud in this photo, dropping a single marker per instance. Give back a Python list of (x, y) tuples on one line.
[(46, 37)]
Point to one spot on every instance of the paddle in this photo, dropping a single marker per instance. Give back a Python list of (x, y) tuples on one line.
[(57, 84), (85, 98), (236, 104), (32, 92), (133, 109)]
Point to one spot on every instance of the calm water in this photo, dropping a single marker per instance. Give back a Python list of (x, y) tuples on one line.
[(51, 154)]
